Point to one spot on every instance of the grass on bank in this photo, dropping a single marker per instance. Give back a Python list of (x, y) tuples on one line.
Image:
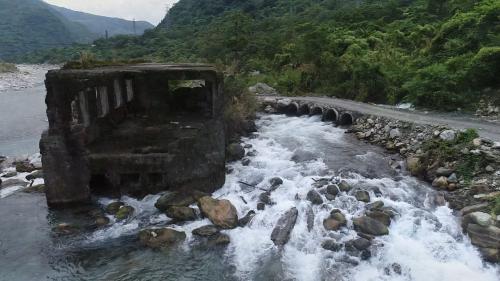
[(8, 68)]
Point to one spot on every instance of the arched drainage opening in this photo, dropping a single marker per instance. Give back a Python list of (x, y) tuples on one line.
[(304, 109), (330, 115), (346, 119), (316, 111)]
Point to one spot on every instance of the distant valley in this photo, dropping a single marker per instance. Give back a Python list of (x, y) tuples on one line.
[(31, 25)]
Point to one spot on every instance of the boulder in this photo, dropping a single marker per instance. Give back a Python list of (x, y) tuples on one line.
[(473, 208), (178, 199), (331, 245), (262, 89), (359, 244), (440, 182), (380, 216), (159, 238), (219, 239), (485, 237), (13, 182), (275, 182), (344, 186), (374, 205), (261, 206), (101, 221), (447, 135), (246, 219), (10, 174), (234, 152), (24, 167), (220, 212), (181, 213), (479, 218), (285, 225), (333, 189), (245, 162), (490, 254), (415, 166), (331, 224), (310, 218), (362, 195), (124, 213), (265, 198), (394, 133), (38, 174), (370, 226), (206, 231), (314, 197), (444, 172), (113, 207)]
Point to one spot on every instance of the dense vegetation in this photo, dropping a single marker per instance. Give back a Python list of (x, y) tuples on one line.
[(28, 25), (439, 54)]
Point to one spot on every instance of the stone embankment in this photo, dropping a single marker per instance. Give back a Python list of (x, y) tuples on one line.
[(463, 166)]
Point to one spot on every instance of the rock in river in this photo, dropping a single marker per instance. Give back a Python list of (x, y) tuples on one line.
[(220, 212), (314, 197), (235, 151), (370, 226), (174, 199), (362, 195), (159, 238), (181, 213), (281, 232), (205, 231)]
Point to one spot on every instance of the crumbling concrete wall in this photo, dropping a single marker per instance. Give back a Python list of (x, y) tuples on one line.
[(132, 130)]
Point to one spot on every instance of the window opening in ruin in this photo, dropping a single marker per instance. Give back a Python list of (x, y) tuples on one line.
[(102, 101), (191, 96), (118, 93), (84, 108), (130, 90)]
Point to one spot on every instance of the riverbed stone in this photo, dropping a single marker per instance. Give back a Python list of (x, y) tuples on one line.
[(440, 182), (220, 212), (246, 219), (444, 172), (394, 133), (206, 231), (112, 208), (285, 225), (38, 174), (370, 226), (9, 174), (314, 197), (234, 152), (124, 213), (160, 238), (178, 199), (275, 182), (13, 182), (265, 198), (181, 213), (331, 224), (219, 239), (362, 195), (447, 135), (261, 206), (479, 218), (473, 208), (486, 237), (380, 216), (333, 189), (490, 254), (24, 167), (344, 186), (310, 218), (415, 166), (331, 245), (374, 205), (359, 243), (102, 221)]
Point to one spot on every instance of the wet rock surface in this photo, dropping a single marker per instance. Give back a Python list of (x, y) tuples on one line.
[(220, 212), (284, 226), (161, 238)]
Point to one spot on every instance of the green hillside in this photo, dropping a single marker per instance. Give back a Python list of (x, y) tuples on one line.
[(439, 54), (98, 25), (28, 25)]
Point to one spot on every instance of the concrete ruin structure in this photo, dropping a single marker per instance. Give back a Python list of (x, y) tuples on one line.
[(134, 129)]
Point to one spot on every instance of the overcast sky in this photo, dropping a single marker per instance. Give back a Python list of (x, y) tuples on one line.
[(150, 10)]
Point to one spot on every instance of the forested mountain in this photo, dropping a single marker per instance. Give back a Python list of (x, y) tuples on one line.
[(440, 54), (28, 25), (98, 25)]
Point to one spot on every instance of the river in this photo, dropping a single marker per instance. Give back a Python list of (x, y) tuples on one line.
[(424, 241)]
